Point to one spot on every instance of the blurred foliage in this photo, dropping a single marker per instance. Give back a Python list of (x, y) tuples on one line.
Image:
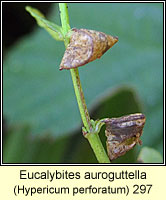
[(23, 147), (38, 96), (149, 155)]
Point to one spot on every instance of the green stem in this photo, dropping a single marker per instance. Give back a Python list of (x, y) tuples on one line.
[(97, 147), (92, 137), (65, 21), (80, 99), (74, 72)]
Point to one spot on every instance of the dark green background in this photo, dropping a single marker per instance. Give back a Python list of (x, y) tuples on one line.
[(39, 104)]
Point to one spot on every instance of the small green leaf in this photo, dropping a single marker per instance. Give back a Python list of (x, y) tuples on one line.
[(149, 155), (54, 30)]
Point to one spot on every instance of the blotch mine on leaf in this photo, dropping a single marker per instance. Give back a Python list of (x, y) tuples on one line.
[(85, 46), (123, 133)]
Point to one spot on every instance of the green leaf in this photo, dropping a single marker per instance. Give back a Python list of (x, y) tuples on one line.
[(15, 146), (22, 147), (54, 30), (149, 155), (36, 93)]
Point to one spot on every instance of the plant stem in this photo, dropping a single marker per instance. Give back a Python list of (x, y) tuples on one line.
[(64, 20), (80, 99), (98, 148), (74, 72), (92, 137)]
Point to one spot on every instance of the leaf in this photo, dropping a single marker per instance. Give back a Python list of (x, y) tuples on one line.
[(149, 155), (22, 147), (36, 93), (54, 30)]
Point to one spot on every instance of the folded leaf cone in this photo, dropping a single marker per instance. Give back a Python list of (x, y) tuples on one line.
[(123, 133), (85, 46)]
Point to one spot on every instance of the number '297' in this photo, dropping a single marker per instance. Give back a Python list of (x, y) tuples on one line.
[(142, 189)]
